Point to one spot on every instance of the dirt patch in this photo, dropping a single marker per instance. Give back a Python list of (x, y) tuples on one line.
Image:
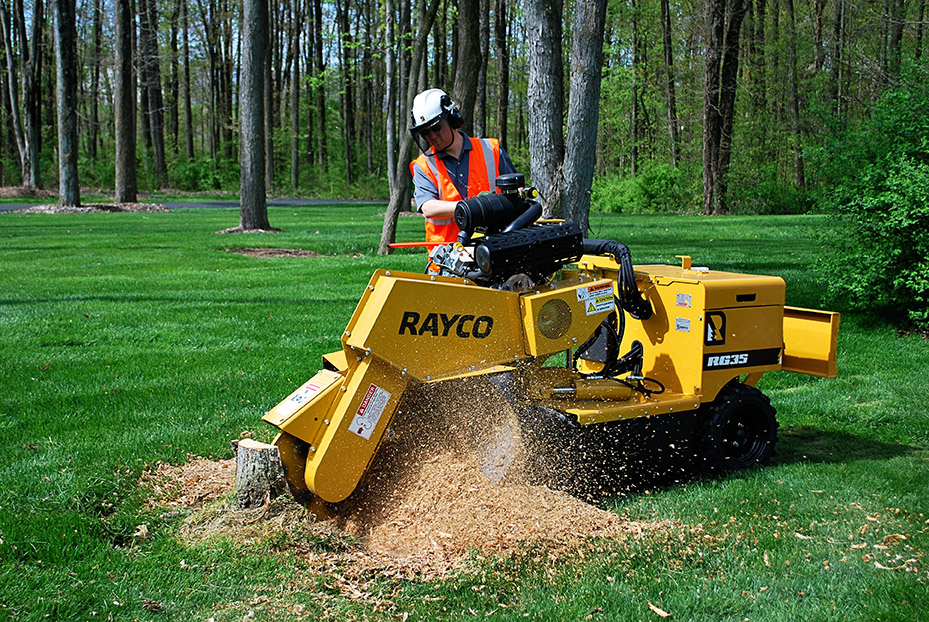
[(235, 230), (449, 480), (15, 192), (95, 208), (275, 252)]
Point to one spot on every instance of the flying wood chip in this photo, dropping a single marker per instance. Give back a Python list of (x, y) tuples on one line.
[(660, 612)]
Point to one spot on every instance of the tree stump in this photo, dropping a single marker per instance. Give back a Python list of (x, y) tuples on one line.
[(259, 476)]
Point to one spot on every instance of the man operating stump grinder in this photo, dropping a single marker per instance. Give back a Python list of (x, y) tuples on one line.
[(452, 167)]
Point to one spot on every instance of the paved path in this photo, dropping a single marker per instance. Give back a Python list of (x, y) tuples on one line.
[(14, 207)]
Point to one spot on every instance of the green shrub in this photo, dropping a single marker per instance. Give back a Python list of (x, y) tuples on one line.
[(881, 193), (659, 188), (761, 190)]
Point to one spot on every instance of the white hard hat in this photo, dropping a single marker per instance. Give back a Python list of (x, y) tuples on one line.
[(432, 105)]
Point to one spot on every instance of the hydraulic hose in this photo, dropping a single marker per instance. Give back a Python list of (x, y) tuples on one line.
[(629, 297)]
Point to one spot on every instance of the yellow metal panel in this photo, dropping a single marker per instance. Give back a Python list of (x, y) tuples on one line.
[(435, 327), (303, 412), (582, 307), (751, 343), (357, 421), (672, 337), (810, 341), (588, 413)]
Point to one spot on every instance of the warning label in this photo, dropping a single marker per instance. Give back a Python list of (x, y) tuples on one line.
[(594, 291), (597, 298), (369, 411), (601, 304)]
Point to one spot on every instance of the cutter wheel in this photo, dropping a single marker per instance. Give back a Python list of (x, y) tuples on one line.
[(294, 453)]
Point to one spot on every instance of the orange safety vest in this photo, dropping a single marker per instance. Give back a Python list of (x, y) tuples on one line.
[(483, 168)]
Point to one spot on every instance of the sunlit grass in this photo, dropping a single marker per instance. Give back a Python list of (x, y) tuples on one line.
[(132, 338)]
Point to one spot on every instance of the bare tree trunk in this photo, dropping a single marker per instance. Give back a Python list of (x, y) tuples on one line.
[(95, 79), (66, 57), (468, 67), (346, 59), (403, 180), (918, 51), (670, 92), (583, 110), (295, 100), (793, 97), (480, 105), (268, 95), (124, 107), (819, 50), (188, 109), (546, 101), (722, 66), (636, 87), (174, 79), (321, 152), (503, 70), (151, 76), (838, 47), (390, 92), (14, 96), (897, 20), (26, 128), (254, 209)]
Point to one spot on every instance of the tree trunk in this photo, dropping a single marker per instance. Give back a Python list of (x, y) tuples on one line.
[(897, 20), (722, 67), (480, 105), (321, 152), (403, 180), (793, 97), (95, 79), (636, 87), (174, 79), (124, 107), (151, 77), (819, 49), (468, 65), (670, 92), (254, 209), (918, 51), (188, 108), (546, 101), (503, 70), (66, 56), (259, 475), (268, 95), (346, 59), (837, 75), (583, 110), (26, 128), (295, 100), (390, 94)]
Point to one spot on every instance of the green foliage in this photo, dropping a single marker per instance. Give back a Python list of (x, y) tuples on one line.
[(203, 173), (659, 188), (881, 174), (764, 190)]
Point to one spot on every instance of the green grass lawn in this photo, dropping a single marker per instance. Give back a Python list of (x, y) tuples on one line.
[(127, 339)]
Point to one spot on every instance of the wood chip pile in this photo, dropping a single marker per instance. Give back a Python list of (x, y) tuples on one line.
[(449, 478)]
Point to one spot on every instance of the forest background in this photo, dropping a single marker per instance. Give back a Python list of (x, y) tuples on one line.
[(704, 106)]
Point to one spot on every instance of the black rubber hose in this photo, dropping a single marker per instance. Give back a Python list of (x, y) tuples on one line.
[(528, 217), (629, 297)]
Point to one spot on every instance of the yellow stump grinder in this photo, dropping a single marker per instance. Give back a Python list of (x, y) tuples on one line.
[(514, 295)]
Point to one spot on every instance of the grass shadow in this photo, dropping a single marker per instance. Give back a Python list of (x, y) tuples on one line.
[(807, 444)]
